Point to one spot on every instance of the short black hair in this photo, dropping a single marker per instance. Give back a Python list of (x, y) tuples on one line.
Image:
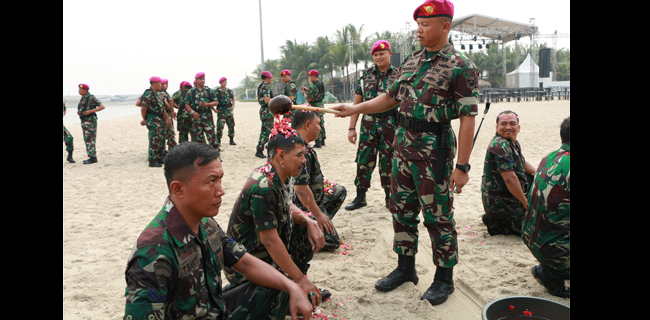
[(181, 159), (508, 111), (264, 77), (302, 116), (286, 142), (565, 130)]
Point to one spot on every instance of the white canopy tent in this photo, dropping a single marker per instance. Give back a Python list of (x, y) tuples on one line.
[(521, 77)]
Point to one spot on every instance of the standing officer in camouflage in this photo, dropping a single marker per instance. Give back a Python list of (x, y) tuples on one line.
[(87, 111), (315, 97), (68, 140), (506, 178), (225, 111), (377, 129), (269, 225), (199, 103), (169, 136), (264, 95), (174, 269), (434, 86), (154, 117), (290, 89), (185, 122), (547, 224)]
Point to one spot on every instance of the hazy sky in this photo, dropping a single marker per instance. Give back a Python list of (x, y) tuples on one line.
[(116, 46)]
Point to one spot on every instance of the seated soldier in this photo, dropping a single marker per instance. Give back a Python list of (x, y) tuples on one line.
[(506, 178), (320, 197), (175, 267), (547, 225), (269, 225)]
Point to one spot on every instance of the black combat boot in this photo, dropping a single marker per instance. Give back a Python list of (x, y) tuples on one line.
[(552, 281), (359, 201), (405, 272), (91, 160), (155, 164), (232, 141), (70, 157), (441, 288), (260, 154)]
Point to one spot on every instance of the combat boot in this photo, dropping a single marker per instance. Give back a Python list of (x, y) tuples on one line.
[(232, 141), (359, 201), (91, 160), (154, 164), (405, 272), (70, 157), (441, 288), (260, 154), (553, 283)]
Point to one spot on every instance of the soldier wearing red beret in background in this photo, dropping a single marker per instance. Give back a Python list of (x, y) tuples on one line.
[(434, 86), (87, 111), (199, 103), (154, 117), (290, 89), (264, 95), (183, 118), (315, 95), (225, 111), (377, 129), (169, 135)]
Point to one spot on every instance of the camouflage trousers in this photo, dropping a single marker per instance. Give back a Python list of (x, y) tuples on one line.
[(250, 301), (169, 135), (204, 128), (376, 138), (225, 117), (267, 124), (505, 214), (185, 125), (554, 254), (330, 205), (68, 140), (156, 139), (323, 133), (412, 189), (89, 127)]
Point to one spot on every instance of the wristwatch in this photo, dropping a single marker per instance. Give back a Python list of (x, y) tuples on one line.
[(464, 167)]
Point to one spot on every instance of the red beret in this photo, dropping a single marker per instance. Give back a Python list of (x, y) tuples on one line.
[(313, 72), (380, 45), (222, 79), (267, 74), (434, 8), (164, 81), (84, 86), (199, 75), (155, 79), (285, 72)]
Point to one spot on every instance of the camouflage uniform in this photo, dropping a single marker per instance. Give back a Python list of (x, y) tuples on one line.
[(291, 90), (173, 273), (155, 124), (264, 90), (547, 224), (225, 115), (205, 124), (89, 122), (262, 205), (329, 196), (168, 131), (185, 122), (435, 89), (316, 95), (503, 210), (377, 130), (67, 137)]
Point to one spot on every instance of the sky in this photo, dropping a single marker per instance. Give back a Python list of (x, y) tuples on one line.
[(116, 46)]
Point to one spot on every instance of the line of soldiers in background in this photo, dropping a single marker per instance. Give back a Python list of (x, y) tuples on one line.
[(195, 105)]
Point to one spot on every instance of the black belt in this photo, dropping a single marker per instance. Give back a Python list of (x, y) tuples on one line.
[(441, 129), (154, 113), (386, 114)]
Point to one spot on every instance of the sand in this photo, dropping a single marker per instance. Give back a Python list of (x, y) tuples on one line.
[(106, 206)]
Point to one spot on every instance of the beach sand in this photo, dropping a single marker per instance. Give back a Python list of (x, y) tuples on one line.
[(106, 206)]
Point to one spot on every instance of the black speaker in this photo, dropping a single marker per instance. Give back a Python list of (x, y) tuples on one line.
[(544, 63)]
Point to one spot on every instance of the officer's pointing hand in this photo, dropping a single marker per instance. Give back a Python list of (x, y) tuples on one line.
[(346, 111)]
